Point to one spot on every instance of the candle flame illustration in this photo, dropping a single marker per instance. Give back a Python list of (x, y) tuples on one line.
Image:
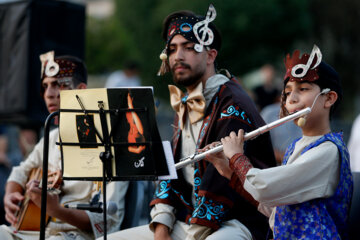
[(136, 131)]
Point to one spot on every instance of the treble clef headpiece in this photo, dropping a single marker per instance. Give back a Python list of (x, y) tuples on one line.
[(198, 29)]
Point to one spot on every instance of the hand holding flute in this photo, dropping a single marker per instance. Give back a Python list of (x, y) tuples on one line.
[(232, 144), (218, 147)]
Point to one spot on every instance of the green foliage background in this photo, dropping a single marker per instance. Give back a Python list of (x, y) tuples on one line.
[(254, 33)]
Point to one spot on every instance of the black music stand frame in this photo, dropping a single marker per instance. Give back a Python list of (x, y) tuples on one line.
[(45, 176), (105, 157)]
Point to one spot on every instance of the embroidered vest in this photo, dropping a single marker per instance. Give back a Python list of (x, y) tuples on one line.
[(323, 218)]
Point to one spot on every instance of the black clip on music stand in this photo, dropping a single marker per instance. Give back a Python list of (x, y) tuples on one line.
[(104, 156)]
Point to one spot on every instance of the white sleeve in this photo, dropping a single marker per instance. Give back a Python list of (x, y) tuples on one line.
[(353, 146), (164, 214), (19, 174), (265, 209), (115, 192), (310, 176)]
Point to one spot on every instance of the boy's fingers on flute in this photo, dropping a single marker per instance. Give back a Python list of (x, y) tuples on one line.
[(209, 146), (232, 134), (214, 144), (241, 134)]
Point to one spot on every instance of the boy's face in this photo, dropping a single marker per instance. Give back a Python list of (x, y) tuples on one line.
[(300, 95), (52, 87), (187, 65)]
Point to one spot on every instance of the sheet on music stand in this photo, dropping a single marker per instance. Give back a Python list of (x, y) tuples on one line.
[(74, 127), (136, 143)]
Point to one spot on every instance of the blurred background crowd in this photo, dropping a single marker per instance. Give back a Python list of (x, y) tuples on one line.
[(121, 42)]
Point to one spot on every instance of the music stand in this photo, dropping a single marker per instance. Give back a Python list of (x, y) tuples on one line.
[(44, 176), (106, 141)]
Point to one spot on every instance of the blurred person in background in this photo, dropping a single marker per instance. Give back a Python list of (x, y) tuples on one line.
[(5, 167), (261, 85), (128, 77), (266, 93)]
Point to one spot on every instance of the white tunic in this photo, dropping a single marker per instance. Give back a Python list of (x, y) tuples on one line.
[(314, 174)]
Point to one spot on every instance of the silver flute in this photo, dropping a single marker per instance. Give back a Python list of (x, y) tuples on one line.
[(199, 156)]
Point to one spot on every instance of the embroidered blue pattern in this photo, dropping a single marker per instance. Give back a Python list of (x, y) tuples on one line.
[(244, 117), (319, 218), (208, 209), (162, 191), (181, 197), (230, 111), (234, 111), (204, 208), (197, 183)]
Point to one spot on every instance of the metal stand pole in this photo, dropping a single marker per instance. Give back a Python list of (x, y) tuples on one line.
[(45, 176)]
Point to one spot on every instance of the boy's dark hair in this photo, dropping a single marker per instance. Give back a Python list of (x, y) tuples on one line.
[(329, 78)]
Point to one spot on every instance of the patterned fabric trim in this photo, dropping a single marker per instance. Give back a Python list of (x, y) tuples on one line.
[(225, 201), (181, 198), (176, 137), (234, 181), (236, 184), (162, 194), (240, 164), (209, 213), (158, 200), (162, 191), (234, 111)]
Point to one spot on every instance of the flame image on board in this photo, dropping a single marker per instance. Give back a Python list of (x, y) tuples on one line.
[(136, 132)]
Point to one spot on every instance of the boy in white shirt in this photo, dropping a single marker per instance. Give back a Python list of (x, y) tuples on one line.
[(309, 195)]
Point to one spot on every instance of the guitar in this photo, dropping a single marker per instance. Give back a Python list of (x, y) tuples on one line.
[(28, 217)]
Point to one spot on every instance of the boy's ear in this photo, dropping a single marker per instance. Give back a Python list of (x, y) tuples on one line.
[(331, 98)]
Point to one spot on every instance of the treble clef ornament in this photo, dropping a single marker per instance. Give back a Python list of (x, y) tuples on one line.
[(305, 68), (202, 32), (52, 68)]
